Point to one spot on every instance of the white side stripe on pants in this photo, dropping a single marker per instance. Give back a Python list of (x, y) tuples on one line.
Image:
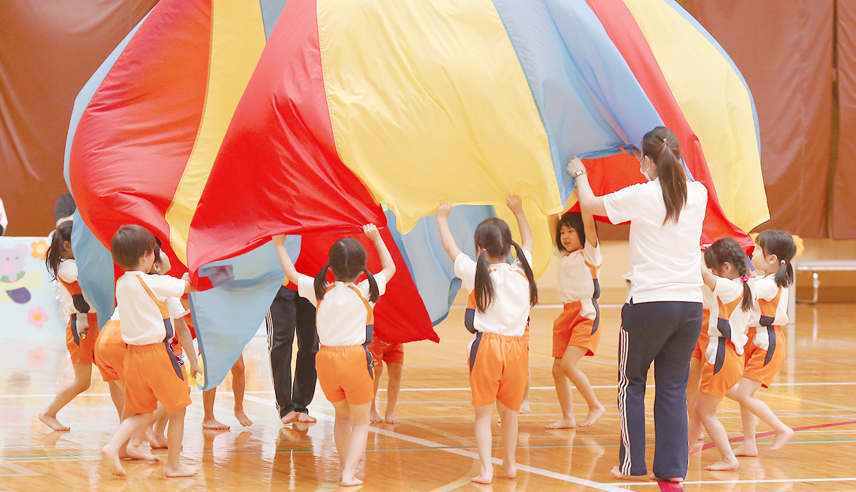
[(622, 398)]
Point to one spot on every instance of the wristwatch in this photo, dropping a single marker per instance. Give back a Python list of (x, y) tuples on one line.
[(579, 172)]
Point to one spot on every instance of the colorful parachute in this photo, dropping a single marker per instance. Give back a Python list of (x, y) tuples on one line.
[(216, 130)]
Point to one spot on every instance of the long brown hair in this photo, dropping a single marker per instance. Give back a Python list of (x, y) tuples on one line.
[(53, 256), (662, 147), (347, 259), (494, 237)]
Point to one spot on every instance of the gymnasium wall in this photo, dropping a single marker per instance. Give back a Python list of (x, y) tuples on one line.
[(786, 50), (48, 50)]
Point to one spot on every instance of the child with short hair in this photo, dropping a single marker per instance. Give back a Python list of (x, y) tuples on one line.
[(345, 319), (82, 328), (723, 357), (110, 351), (152, 372), (765, 348), (393, 355), (501, 295), (576, 331)]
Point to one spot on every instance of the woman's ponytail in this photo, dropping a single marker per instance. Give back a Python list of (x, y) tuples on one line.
[(527, 269), (321, 282), (374, 293), (662, 147), (484, 284)]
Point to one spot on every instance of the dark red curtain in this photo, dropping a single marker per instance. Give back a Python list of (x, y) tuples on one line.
[(785, 54), (843, 203), (48, 50)]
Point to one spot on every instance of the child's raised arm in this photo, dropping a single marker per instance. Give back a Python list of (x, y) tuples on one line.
[(590, 229), (446, 236), (188, 287), (515, 204), (186, 340), (708, 277), (386, 262), (552, 224), (284, 259)]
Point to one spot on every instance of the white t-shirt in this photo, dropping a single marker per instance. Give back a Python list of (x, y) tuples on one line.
[(142, 321), (771, 308), (508, 314), (727, 315), (345, 310), (665, 258), (578, 272), (67, 272), (771, 301)]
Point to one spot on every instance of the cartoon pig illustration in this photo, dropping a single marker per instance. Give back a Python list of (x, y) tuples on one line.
[(12, 270)]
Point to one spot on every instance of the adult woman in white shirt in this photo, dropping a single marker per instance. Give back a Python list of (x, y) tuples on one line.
[(661, 319)]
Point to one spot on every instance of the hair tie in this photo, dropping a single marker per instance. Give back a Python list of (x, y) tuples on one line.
[(665, 142), (782, 262), (744, 278)]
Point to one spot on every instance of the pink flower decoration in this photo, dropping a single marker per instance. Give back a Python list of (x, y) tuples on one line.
[(37, 316)]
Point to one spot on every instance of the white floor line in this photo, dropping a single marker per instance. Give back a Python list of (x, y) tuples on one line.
[(468, 454), (548, 388)]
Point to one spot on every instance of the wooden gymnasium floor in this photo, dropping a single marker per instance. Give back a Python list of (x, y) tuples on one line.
[(433, 448)]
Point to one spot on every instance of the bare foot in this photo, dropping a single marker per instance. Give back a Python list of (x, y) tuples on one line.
[(524, 407), (374, 417), (180, 471), (213, 424), (593, 415), (350, 481), (723, 465), (305, 418), (111, 459), (242, 418), (155, 440), (140, 452), (616, 473), (485, 478), (749, 450), (781, 438), (562, 424), (390, 419), (510, 470), (53, 423), (289, 417)]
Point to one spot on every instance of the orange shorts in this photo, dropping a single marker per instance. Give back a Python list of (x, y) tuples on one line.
[(499, 369), (571, 329), (391, 353), (704, 336), (82, 350), (110, 352), (718, 378), (762, 365), (345, 373), (153, 375)]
